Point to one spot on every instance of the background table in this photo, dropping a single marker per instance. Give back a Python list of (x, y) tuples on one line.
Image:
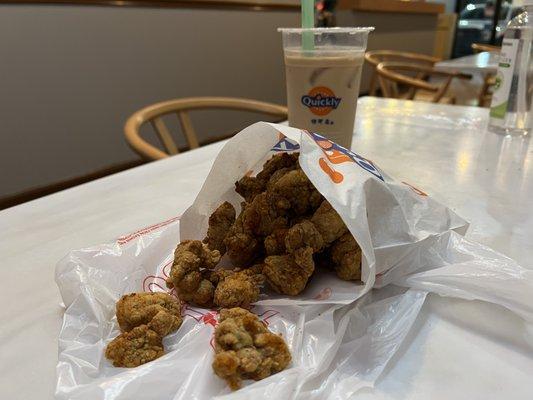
[(455, 349), (485, 62)]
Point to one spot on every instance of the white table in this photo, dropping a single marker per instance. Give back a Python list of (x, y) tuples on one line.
[(485, 62), (455, 351)]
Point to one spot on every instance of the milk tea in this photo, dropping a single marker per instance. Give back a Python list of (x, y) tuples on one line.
[(322, 90)]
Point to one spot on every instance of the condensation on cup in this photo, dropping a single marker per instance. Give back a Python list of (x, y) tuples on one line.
[(323, 71)]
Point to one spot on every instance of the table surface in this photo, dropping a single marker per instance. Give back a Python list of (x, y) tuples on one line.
[(455, 349), (485, 62)]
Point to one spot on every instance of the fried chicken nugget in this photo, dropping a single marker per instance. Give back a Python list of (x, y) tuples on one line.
[(275, 242), (294, 191), (219, 224), (160, 311), (329, 223), (244, 241), (191, 259), (241, 244), (346, 256), (250, 186), (304, 234), (246, 349), (239, 289), (134, 348), (324, 227), (261, 217), (289, 273)]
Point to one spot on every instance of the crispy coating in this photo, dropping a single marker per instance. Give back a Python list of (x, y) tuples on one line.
[(160, 311), (277, 162), (304, 234), (219, 223), (289, 273), (275, 242), (238, 289), (295, 191), (134, 348), (250, 186), (329, 223), (244, 241), (246, 349), (276, 176), (346, 257), (243, 247), (261, 217), (192, 259)]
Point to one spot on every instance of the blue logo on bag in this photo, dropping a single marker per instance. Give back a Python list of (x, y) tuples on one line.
[(286, 144)]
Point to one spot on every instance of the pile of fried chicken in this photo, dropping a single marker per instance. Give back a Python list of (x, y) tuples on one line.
[(284, 228), (285, 225), (244, 347)]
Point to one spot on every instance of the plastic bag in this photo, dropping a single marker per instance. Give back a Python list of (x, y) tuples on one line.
[(341, 334)]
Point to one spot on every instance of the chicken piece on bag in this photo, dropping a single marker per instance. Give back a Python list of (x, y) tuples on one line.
[(304, 234), (294, 191), (275, 242), (261, 217), (242, 246), (219, 224), (246, 349), (258, 219), (134, 348), (346, 257), (329, 223), (318, 232), (192, 260), (239, 289), (250, 186), (159, 311), (289, 273)]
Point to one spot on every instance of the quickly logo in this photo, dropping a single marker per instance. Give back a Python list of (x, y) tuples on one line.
[(321, 100)]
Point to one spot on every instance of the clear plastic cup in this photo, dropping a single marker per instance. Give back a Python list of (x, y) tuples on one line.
[(323, 71)]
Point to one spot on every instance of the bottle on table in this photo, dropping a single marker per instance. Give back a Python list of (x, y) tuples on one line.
[(512, 100)]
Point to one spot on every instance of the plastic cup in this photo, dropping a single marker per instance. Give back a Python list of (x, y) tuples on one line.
[(323, 71)]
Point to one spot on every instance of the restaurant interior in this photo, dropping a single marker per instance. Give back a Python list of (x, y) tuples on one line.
[(359, 170), (73, 72)]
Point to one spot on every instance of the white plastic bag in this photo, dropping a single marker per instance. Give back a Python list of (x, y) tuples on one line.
[(341, 335)]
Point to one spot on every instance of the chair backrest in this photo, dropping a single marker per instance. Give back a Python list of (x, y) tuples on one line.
[(481, 47), (154, 113), (390, 74), (374, 57)]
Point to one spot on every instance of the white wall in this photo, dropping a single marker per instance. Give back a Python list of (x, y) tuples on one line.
[(70, 76)]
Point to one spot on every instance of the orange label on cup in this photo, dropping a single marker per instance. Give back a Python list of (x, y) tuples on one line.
[(321, 100)]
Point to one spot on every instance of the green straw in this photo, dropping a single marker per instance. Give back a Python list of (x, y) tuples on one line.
[(308, 21)]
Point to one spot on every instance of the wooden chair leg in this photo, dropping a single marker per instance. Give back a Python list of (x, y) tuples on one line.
[(484, 91), (373, 84)]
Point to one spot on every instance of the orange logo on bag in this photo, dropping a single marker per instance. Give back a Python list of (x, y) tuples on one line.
[(321, 100)]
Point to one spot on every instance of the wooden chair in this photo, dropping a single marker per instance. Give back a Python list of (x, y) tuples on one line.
[(481, 47), (393, 74), (489, 80), (181, 107), (374, 57)]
